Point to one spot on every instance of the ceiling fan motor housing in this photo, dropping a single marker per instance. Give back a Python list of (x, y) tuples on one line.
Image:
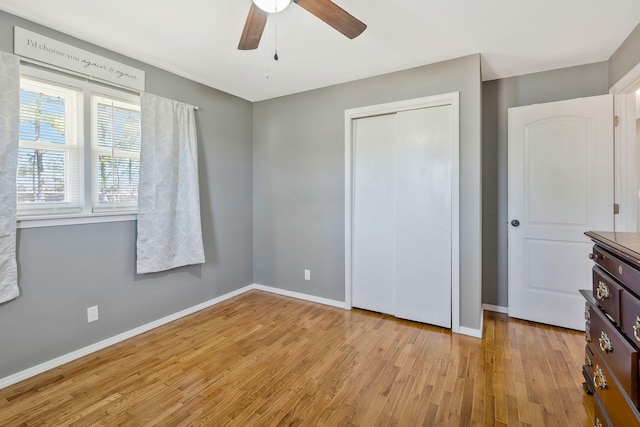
[(272, 6)]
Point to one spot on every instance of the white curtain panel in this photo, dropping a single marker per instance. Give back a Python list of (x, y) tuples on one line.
[(9, 138), (169, 230)]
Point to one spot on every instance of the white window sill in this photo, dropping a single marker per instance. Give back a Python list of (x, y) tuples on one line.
[(55, 221)]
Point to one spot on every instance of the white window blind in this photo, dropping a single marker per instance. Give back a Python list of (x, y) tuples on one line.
[(49, 175), (79, 154), (115, 153)]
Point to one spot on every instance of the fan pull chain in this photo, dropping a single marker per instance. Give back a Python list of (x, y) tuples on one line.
[(267, 40), (272, 17), (275, 56)]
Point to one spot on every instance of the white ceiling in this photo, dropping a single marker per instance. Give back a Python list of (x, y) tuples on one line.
[(198, 39)]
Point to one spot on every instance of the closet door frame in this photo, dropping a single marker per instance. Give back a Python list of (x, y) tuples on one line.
[(449, 99)]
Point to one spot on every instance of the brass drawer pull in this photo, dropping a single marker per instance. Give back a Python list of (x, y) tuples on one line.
[(587, 335), (587, 315), (599, 380), (587, 360), (636, 328), (620, 269), (598, 423), (603, 292), (605, 343)]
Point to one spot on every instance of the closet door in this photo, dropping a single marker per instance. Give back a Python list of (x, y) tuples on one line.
[(374, 220), (423, 166), (401, 235)]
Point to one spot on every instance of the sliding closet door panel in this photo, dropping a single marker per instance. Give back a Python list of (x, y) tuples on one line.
[(423, 166), (373, 237)]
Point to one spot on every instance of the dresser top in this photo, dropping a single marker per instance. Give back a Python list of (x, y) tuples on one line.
[(626, 243)]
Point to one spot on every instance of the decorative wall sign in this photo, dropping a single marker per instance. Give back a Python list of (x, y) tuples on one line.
[(44, 49)]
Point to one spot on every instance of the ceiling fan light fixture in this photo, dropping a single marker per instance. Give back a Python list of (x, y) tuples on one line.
[(272, 6)]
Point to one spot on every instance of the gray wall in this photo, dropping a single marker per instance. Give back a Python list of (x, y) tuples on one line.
[(286, 218), (299, 178), (63, 270), (497, 97), (625, 57)]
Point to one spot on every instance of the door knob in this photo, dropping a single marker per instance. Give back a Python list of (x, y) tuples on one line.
[(515, 223)]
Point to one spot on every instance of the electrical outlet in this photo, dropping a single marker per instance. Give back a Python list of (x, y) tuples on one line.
[(92, 314), (307, 275)]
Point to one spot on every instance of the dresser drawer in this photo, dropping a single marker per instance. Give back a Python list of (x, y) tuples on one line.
[(613, 348), (619, 410), (630, 317), (600, 418), (621, 270), (607, 293)]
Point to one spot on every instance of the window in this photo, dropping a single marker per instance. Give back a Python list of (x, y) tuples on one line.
[(79, 147), (116, 153), (49, 157)]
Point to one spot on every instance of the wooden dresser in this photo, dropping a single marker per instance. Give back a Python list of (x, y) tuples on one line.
[(613, 329)]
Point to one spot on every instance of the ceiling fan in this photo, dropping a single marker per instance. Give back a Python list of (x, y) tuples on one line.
[(326, 10)]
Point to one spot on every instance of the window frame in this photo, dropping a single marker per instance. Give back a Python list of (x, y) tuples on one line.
[(42, 217), (124, 102), (72, 148)]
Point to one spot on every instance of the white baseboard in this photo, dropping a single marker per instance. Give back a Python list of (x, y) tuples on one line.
[(495, 308), (58, 361), (298, 295), (477, 333), (69, 357)]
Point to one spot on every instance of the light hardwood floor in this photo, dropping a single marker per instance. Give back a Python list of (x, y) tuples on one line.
[(262, 359)]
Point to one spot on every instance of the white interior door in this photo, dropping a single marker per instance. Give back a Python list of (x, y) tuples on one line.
[(402, 206), (560, 178)]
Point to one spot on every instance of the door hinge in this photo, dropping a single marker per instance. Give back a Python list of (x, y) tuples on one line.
[(616, 209), (616, 121)]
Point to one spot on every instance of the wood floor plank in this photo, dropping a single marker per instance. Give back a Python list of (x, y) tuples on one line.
[(265, 360)]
